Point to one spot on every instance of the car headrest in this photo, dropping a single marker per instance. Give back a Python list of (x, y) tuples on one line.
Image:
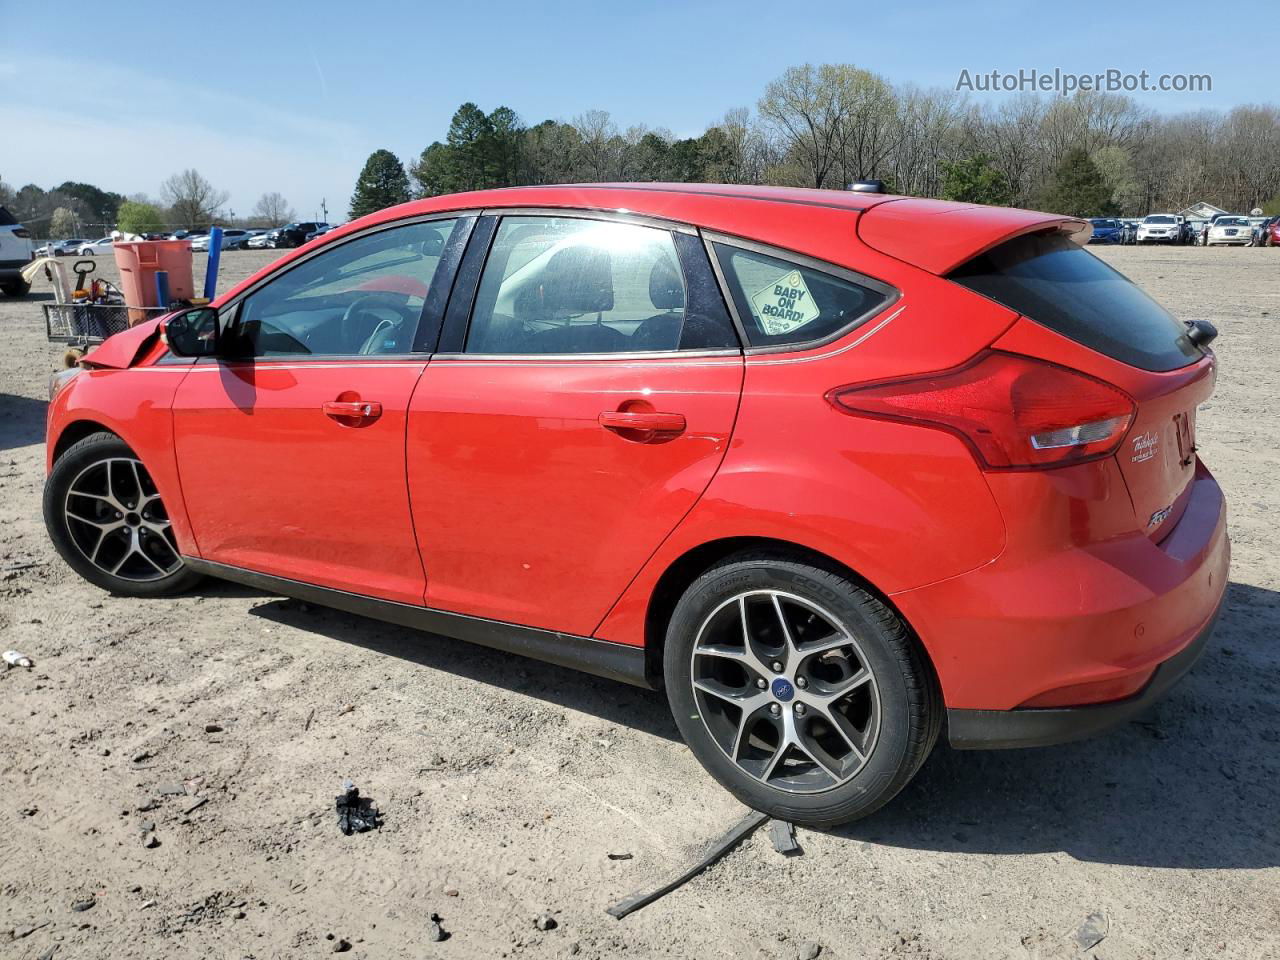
[(666, 289), (577, 279)]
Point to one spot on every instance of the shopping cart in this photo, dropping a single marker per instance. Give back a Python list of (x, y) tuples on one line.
[(84, 324)]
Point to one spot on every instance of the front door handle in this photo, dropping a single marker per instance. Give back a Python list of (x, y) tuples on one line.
[(348, 410), (643, 426)]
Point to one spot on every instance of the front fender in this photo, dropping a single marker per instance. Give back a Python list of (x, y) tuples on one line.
[(137, 406)]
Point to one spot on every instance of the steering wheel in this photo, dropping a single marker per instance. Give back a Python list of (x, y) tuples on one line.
[(370, 302)]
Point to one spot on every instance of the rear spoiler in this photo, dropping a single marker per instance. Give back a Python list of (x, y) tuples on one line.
[(938, 236)]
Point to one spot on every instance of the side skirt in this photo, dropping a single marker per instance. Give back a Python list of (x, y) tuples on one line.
[(615, 661)]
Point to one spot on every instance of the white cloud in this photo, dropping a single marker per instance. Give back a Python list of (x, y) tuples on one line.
[(127, 131)]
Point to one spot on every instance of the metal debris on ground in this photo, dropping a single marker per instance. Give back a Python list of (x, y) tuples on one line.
[(356, 814), (715, 850), (15, 659), (783, 837), (1092, 931)]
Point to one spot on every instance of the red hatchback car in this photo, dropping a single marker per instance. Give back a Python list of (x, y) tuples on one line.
[(836, 470)]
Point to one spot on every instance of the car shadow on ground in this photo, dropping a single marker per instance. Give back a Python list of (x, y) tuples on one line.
[(1191, 784), (21, 421), (610, 700)]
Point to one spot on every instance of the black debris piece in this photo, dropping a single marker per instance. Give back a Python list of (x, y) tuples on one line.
[(356, 814), (783, 837), (711, 853)]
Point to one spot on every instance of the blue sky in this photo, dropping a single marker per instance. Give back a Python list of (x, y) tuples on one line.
[(293, 97)]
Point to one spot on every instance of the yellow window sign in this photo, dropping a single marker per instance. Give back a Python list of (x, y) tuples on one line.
[(784, 305)]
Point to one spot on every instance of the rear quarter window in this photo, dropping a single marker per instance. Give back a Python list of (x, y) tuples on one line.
[(1051, 280), (782, 303)]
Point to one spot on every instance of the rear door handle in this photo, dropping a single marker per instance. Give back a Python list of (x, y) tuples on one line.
[(643, 425), (352, 409)]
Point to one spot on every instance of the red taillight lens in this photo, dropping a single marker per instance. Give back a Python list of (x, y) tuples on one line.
[(1015, 412)]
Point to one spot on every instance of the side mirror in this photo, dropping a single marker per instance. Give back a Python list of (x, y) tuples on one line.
[(192, 333)]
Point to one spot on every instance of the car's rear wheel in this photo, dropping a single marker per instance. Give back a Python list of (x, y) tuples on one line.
[(800, 692), (107, 520)]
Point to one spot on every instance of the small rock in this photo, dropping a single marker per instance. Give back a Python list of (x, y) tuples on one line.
[(172, 790), (148, 805), (545, 921), (808, 950), (238, 915), (212, 728), (80, 906), (29, 811), (341, 946), (147, 904), (151, 841), (435, 932), (142, 757), (450, 891), (105, 752), (1092, 932)]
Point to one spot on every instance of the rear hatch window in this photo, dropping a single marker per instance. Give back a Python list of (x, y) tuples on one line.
[(1049, 279)]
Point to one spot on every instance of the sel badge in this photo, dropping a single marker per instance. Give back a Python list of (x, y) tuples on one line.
[(785, 304)]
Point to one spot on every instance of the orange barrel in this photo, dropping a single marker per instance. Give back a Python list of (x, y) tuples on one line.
[(138, 262)]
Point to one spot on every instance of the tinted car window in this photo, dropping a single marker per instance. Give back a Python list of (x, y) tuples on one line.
[(781, 302), (361, 297), (1050, 279), (572, 285)]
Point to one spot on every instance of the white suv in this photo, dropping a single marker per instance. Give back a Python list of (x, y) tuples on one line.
[(1160, 228), (15, 253)]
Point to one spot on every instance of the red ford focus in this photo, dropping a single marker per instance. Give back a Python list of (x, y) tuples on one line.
[(836, 470)]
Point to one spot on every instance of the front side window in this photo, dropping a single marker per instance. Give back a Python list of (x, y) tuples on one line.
[(566, 285), (362, 297), (782, 303)]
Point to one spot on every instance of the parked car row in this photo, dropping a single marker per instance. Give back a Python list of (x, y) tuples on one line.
[(233, 238), (1223, 229)]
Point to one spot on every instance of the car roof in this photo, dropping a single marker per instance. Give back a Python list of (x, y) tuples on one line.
[(837, 226)]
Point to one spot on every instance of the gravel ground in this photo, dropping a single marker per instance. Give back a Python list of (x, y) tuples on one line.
[(506, 784)]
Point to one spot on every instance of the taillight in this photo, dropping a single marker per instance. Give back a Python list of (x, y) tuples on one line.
[(20, 232), (1014, 412)]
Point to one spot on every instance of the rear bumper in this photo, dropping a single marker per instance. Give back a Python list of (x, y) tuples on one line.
[(12, 269), (1005, 729), (1048, 616)]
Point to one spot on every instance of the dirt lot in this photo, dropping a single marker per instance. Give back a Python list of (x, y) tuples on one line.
[(506, 784)]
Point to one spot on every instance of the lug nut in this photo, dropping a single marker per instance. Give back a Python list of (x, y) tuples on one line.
[(777, 666), (801, 682), (775, 709), (761, 683), (799, 709)]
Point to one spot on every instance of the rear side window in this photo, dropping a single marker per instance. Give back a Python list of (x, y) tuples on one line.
[(783, 303), (1051, 280)]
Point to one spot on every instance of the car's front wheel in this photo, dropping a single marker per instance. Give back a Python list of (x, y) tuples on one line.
[(107, 520), (800, 692)]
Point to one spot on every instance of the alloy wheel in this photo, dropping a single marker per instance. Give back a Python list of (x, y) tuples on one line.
[(116, 519), (785, 691)]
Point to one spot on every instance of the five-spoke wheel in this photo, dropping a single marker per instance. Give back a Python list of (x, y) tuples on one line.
[(106, 517), (801, 692), (785, 690)]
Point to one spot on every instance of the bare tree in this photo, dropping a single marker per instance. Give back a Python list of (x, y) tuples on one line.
[(193, 201), (601, 146), (272, 210)]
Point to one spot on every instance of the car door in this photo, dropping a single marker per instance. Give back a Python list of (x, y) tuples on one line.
[(291, 445), (582, 399)]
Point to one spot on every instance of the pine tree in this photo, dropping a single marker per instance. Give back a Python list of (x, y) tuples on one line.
[(382, 183), (1078, 188), (976, 180)]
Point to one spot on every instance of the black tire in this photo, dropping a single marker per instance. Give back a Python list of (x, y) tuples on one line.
[(79, 460), (909, 702), (15, 288)]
